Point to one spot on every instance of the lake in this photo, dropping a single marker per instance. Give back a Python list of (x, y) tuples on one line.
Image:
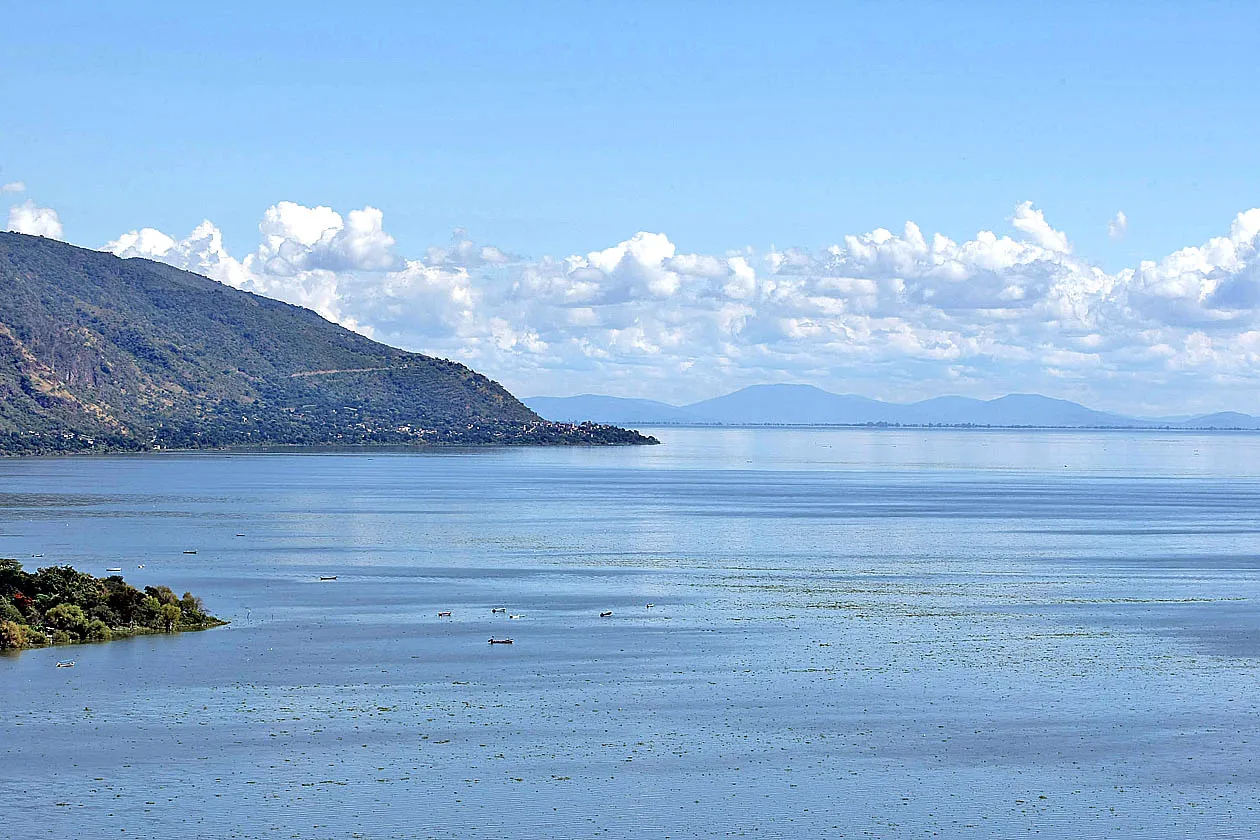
[(858, 633)]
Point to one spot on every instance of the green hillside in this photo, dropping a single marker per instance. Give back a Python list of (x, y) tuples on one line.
[(98, 352)]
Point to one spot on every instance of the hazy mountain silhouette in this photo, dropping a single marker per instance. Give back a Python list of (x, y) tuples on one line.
[(792, 405)]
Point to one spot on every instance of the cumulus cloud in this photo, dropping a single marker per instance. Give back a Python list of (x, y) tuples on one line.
[(1033, 222), (1118, 226), (897, 315), (27, 217), (13, 187)]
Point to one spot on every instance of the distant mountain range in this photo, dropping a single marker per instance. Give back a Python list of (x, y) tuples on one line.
[(98, 352), (805, 405)]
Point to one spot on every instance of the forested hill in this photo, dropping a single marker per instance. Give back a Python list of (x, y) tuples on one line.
[(98, 352)]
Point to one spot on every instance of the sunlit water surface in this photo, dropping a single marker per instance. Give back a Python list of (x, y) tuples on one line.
[(855, 633)]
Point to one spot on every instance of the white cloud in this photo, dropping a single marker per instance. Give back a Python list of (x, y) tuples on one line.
[(897, 315), (27, 217), (1118, 226), (1033, 222), (13, 187)]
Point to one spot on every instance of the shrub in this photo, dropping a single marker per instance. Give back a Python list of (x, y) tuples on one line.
[(97, 631)]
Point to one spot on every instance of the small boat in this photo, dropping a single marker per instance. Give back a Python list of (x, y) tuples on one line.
[(240, 535), (498, 609), (190, 552), (37, 555), (114, 569), (66, 663), (649, 606), (605, 614), (141, 566), (444, 614), (327, 577), (513, 616), (495, 641)]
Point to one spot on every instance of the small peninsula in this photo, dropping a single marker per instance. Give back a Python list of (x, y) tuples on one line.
[(59, 605)]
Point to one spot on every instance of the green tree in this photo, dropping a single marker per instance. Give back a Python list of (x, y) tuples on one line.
[(192, 607), (171, 615), (12, 578), (124, 600), (65, 585), (9, 612), (35, 636), (97, 631), (150, 611), (68, 618), (164, 594)]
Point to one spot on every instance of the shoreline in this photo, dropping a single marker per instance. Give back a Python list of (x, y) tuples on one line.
[(117, 634)]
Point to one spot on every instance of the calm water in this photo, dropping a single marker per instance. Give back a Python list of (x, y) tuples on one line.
[(856, 633)]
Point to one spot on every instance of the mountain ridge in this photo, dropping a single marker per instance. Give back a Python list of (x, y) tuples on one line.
[(790, 405), (99, 352)]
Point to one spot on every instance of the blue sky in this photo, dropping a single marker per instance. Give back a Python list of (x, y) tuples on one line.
[(558, 129)]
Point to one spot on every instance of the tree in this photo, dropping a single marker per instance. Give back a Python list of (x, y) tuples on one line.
[(123, 599), (9, 612), (68, 618), (12, 636), (150, 611), (171, 615), (97, 631), (164, 594), (66, 585), (192, 607)]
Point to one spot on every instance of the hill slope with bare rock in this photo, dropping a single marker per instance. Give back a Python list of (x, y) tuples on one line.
[(98, 352)]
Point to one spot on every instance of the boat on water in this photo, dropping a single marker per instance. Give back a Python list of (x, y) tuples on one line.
[(498, 609), (495, 641), (190, 552), (444, 614), (66, 663), (327, 577), (114, 569), (605, 614)]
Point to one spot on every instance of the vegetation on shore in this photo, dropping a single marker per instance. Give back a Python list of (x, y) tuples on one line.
[(59, 605)]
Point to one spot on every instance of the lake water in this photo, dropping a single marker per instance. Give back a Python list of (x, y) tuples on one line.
[(855, 633)]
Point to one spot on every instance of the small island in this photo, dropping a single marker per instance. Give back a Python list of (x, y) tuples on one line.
[(60, 605)]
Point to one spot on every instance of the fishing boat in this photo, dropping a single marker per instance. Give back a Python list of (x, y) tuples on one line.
[(190, 552), (327, 577), (498, 609), (513, 616), (445, 614), (605, 614), (495, 641), (649, 606), (114, 569), (66, 663)]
